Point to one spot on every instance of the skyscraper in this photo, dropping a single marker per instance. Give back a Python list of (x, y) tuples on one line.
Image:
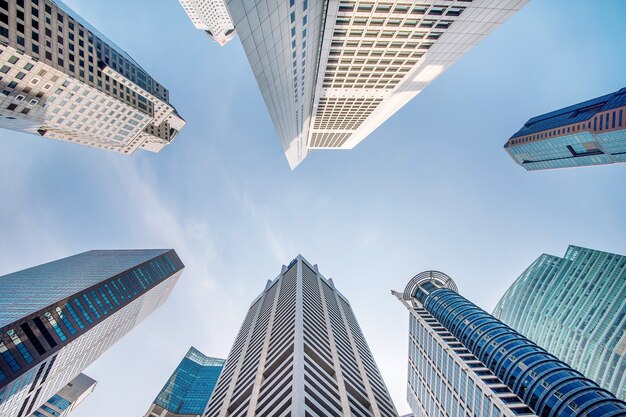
[(61, 78), (300, 352), (187, 392), (67, 399), (589, 133), (212, 17), (332, 71), (574, 307), (57, 318), (465, 362)]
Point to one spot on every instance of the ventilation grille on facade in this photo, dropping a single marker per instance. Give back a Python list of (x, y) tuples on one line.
[(328, 140), (343, 113)]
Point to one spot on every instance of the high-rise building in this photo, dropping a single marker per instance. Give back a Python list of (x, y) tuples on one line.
[(61, 78), (589, 133), (67, 399), (332, 71), (300, 352), (187, 392), (58, 318), (575, 308), (212, 17), (465, 362)]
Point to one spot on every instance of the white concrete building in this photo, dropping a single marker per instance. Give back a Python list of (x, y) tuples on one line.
[(67, 399), (212, 17), (332, 71), (300, 352), (60, 78)]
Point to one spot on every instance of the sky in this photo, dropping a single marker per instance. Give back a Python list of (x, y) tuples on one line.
[(432, 188)]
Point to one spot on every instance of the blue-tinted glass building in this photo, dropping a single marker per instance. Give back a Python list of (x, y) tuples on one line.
[(589, 133), (57, 318), (189, 389), (575, 307), (464, 362)]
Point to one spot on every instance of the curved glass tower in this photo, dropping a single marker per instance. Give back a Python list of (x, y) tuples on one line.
[(574, 307), (463, 361)]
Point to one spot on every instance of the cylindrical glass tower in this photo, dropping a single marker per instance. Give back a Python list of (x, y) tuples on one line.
[(547, 386)]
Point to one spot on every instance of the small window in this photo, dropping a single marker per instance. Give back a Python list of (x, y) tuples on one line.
[(20, 97)]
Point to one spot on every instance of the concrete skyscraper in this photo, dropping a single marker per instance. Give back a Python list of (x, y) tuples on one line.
[(465, 362), (589, 133), (187, 392), (332, 71), (58, 318), (212, 17), (67, 399), (574, 307), (61, 78), (300, 352)]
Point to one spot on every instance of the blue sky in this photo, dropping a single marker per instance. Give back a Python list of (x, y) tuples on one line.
[(430, 189)]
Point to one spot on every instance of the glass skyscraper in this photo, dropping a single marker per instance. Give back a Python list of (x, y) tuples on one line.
[(57, 318), (300, 352), (575, 307), (589, 133), (187, 392), (67, 399), (464, 362)]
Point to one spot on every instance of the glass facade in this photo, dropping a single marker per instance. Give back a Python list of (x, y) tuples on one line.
[(189, 389), (54, 317), (465, 362), (588, 133), (575, 307)]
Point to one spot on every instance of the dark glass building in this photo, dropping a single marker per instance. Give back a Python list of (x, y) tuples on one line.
[(465, 362), (57, 318), (588, 133), (189, 389)]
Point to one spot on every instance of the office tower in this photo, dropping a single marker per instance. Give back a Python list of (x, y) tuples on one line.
[(575, 308), (212, 17), (189, 389), (60, 78), (65, 401), (589, 133), (57, 318), (465, 362), (332, 71), (300, 352)]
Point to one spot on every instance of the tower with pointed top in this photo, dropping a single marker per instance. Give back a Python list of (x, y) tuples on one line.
[(300, 352)]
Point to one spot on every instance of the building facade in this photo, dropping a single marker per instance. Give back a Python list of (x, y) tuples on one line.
[(300, 352), (332, 71), (575, 307), (61, 78), (58, 318), (67, 399), (588, 133), (187, 392), (212, 17), (465, 362)]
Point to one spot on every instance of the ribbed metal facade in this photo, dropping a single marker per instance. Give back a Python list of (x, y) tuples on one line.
[(574, 307), (300, 352), (503, 367)]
